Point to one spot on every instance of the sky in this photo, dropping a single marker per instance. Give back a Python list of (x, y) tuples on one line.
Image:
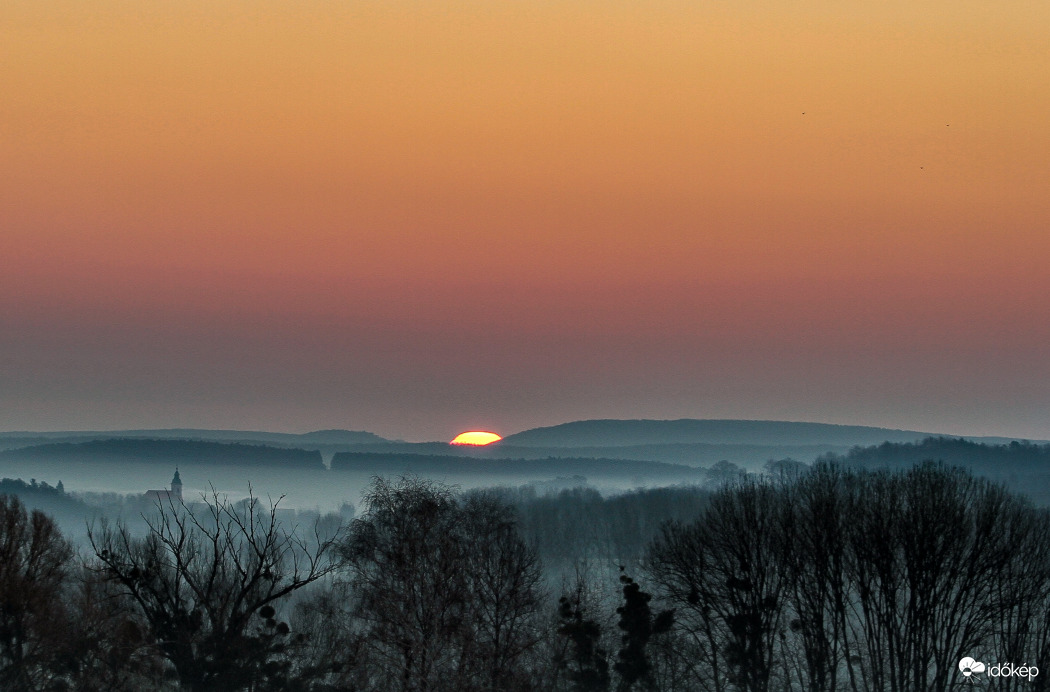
[(419, 218)]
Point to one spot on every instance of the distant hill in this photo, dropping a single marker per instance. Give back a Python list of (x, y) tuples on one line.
[(172, 452), (327, 440), (342, 437), (620, 433)]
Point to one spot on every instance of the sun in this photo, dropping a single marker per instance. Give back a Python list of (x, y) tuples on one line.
[(476, 438)]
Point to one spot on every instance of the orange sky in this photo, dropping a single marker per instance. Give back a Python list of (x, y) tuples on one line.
[(418, 218)]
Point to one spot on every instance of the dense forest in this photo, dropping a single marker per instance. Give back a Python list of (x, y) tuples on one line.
[(1021, 466), (53, 500), (830, 577)]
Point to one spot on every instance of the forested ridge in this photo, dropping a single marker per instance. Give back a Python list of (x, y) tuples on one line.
[(171, 451), (427, 464), (1023, 466), (830, 577)]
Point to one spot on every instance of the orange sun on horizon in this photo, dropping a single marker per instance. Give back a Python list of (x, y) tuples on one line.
[(476, 437)]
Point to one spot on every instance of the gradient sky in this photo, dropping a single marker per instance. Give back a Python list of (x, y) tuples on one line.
[(418, 218)]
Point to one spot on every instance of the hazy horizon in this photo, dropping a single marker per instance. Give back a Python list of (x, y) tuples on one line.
[(502, 433)]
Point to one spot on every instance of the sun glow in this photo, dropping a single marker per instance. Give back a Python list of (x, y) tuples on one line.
[(475, 438)]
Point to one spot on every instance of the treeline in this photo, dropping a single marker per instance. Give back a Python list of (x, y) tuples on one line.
[(844, 579), (978, 456), (17, 486), (1022, 466), (51, 499), (826, 578)]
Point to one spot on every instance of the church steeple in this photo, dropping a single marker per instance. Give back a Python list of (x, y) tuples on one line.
[(176, 485)]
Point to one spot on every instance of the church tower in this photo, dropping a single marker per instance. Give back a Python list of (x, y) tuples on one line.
[(176, 485)]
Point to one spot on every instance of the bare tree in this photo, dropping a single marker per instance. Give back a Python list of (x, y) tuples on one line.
[(406, 567), (445, 593), (107, 645), (206, 579), (35, 563), (503, 576), (814, 555), (334, 656), (941, 564), (844, 579), (724, 575)]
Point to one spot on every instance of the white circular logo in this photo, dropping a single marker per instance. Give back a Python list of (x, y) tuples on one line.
[(970, 667)]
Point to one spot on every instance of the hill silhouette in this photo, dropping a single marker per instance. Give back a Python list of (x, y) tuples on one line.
[(318, 439), (175, 452), (620, 433)]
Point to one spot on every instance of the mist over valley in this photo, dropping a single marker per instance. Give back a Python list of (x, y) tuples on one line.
[(325, 469)]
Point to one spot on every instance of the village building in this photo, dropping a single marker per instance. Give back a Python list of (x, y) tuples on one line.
[(173, 495)]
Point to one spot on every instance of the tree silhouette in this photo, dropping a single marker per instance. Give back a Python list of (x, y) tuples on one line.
[(638, 625), (843, 579), (503, 576), (585, 662), (35, 563), (205, 581), (446, 592)]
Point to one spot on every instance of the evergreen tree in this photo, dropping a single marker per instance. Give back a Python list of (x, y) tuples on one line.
[(638, 625), (586, 665)]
